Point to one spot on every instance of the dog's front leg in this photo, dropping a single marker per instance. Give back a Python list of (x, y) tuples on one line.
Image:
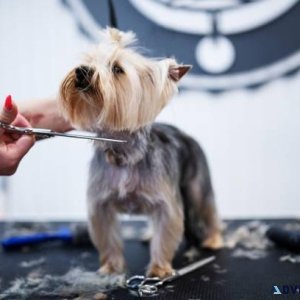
[(168, 231), (105, 233)]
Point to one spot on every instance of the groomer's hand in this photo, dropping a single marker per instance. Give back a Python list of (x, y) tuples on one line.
[(13, 146), (45, 114)]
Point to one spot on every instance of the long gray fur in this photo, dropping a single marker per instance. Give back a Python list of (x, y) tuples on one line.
[(157, 151)]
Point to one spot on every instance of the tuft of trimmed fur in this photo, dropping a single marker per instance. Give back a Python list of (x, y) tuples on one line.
[(114, 36)]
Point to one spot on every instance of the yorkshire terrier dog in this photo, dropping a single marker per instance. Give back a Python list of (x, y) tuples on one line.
[(160, 171)]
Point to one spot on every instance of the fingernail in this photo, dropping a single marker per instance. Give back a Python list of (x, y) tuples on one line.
[(8, 103)]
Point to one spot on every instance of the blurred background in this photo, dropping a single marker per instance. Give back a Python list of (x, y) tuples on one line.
[(241, 101)]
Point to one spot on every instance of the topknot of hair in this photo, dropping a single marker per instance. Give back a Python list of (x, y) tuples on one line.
[(115, 36)]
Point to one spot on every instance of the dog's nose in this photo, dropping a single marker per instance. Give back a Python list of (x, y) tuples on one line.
[(83, 77)]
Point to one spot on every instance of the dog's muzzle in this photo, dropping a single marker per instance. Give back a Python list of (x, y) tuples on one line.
[(83, 77)]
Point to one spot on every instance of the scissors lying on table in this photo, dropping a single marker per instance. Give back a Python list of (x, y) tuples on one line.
[(41, 133), (148, 286)]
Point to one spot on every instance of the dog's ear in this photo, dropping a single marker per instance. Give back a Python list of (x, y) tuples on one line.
[(177, 72)]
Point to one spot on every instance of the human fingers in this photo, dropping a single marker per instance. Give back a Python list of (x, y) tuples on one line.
[(9, 111), (23, 144)]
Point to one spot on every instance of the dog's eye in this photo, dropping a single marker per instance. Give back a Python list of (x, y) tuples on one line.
[(117, 70)]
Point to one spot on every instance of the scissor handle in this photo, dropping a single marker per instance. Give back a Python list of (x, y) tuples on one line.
[(21, 130), (134, 282), (137, 281), (144, 285), (147, 289)]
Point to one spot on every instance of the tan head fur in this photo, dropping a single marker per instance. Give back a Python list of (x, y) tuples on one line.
[(117, 88)]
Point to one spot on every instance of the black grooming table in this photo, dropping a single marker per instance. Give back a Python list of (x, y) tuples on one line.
[(233, 279)]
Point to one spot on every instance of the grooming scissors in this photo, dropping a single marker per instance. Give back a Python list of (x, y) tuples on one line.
[(42, 133), (148, 286)]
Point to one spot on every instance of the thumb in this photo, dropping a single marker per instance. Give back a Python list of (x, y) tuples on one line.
[(23, 144), (9, 111)]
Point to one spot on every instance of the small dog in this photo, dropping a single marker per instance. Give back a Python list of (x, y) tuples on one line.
[(160, 171)]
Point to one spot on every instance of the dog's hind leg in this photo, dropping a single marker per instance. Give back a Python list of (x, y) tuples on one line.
[(202, 225), (213, 235)]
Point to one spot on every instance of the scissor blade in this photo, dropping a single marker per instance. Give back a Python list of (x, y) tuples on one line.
[(192, 267), (71, 135), (44, 133)]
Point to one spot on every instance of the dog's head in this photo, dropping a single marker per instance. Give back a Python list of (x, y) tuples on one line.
[(116, 87)]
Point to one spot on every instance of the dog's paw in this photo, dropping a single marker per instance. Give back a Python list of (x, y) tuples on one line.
[(160, 271), (110, 268), (214, 242)]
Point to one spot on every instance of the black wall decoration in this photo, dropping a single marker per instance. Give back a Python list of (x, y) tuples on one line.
[(232, 44)]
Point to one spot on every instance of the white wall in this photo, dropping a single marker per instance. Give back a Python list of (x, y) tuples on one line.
[(39, 44), (252, 139)]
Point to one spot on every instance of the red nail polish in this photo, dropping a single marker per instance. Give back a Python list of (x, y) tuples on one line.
[(8, 103)]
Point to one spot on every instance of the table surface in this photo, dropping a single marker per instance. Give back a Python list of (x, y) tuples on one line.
[(241, 278)]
